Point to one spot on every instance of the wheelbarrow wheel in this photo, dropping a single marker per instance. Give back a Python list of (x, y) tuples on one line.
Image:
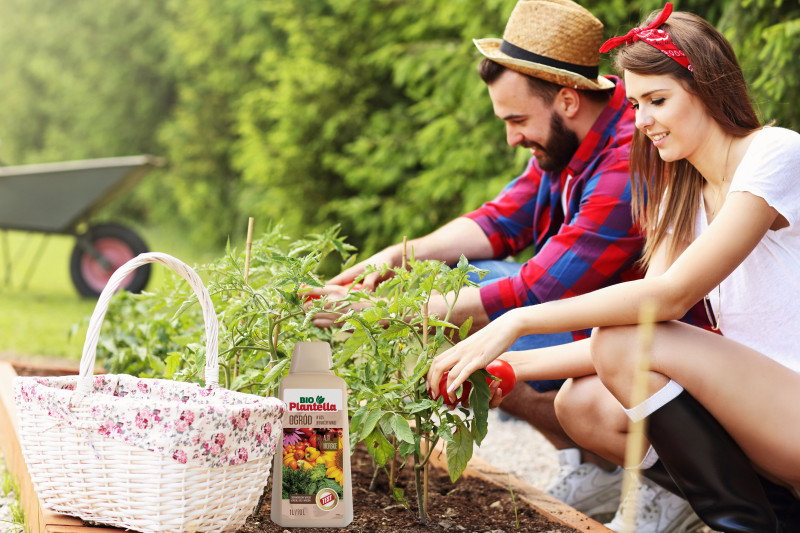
[(101, 251)]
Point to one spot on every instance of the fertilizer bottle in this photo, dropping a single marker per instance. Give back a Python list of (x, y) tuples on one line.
[(311, 484)]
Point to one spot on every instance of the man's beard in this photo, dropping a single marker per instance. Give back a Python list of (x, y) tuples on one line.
[(561, 146)]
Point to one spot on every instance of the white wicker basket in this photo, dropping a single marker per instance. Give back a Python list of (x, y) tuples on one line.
[(150, 455)]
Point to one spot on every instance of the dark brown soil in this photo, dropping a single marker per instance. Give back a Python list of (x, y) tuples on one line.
[(469, 505)]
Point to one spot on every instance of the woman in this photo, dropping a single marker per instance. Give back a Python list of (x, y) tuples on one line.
[(723, 223)]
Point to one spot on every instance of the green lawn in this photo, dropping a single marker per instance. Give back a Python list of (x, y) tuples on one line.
[(39, 305)]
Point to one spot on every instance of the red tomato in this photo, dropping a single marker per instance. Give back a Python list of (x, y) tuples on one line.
[(466, 388), (305, 295), (502, 369), (299, 454)]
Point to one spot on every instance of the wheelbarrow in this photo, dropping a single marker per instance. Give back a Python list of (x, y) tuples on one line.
[(60, 198)]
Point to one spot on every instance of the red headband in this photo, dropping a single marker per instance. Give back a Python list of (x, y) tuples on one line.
[(652, 36)]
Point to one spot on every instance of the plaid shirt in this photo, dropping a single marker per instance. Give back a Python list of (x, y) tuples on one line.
[(579, 220)]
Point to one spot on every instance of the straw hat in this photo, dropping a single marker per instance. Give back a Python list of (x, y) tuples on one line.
[(555, 40)]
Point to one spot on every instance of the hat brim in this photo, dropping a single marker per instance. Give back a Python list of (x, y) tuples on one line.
[(490, 48)]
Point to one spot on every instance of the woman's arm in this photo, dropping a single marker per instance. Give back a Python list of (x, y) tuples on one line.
[(740, 225), (569, 360)]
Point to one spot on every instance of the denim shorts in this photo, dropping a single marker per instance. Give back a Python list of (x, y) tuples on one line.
[(503, 269)]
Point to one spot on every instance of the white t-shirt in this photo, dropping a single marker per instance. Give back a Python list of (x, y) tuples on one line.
[(760, 300)]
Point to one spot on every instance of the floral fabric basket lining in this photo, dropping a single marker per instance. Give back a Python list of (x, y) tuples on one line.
[(150, 455)]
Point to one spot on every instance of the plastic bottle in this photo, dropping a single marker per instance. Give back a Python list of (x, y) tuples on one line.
[(316, 400)]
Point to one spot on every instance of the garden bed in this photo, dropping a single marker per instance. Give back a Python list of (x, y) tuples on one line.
[(480, 500)]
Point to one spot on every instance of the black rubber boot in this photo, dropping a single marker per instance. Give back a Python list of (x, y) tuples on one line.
[(784, 503), (710, 469), (658, 474)]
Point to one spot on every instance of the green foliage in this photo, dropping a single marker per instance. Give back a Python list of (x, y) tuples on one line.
[(310, 113), (310, 481), (10, 489), (385, 360), (383, 349), (81, 79), (261, 317), (764, 33)]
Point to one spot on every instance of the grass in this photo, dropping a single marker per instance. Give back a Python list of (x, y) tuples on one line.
[(10, 489), (43, 316)]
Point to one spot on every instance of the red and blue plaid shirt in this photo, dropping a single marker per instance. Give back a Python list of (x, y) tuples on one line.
[(585, 238)]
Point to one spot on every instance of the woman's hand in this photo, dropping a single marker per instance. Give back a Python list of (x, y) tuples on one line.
[(475, 352)]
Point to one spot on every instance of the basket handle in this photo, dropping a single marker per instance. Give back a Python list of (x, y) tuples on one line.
[(95, 323)]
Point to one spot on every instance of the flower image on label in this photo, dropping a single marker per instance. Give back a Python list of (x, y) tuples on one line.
[(327, 499)]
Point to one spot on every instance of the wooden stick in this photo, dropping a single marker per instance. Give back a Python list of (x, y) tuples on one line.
[(247, 249), (405, 252), (634, 449), (248, 246), (424, 450)]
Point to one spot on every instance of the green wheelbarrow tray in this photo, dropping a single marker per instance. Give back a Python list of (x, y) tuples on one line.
[(60, 198)]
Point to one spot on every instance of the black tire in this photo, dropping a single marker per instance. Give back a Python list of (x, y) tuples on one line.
[(117, 244)]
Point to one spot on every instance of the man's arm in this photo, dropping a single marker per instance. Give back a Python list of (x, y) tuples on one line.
[(594, 248), (458, 237)]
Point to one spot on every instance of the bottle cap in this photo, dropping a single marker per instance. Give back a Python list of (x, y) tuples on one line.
[(311, 357)]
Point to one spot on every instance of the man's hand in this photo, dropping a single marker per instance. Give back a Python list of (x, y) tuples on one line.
[(388, 257), (336, 305)]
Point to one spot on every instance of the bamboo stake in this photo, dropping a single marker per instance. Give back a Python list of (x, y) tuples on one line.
[(247, 249), (424, 450), (634, 449), (392, 465), (248, 246)]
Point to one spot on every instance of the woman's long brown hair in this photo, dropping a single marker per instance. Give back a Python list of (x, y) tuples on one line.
[(666, 195)]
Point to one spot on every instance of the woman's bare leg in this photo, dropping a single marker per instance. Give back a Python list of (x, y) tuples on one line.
[(754, 398), (593, 418)]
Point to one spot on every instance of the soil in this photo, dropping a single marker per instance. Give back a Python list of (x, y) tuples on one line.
[(469, 505)]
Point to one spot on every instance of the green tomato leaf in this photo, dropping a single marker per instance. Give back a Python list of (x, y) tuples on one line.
[(401, 428), (173, 361), (464, 329), (459, 451), (479, 402), (358, 416), (405, 449), (417, 407), (378, 447), (444, 431), (372, 419), (275, 373)]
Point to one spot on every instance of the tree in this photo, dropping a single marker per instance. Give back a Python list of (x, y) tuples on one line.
[(81, 79)]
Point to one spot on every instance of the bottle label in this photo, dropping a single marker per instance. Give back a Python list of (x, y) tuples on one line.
[(313, 449)]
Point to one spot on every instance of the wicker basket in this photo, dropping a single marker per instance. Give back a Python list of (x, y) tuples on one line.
[(150, 455)]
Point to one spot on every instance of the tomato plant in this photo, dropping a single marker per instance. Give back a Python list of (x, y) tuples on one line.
[(260, 319), (382, 350), (385, 358)]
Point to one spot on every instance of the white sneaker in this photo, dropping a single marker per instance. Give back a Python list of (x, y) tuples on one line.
[(585, 486), (658, 511)]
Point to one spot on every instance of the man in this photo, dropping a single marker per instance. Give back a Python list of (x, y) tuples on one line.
[(572, 203)]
